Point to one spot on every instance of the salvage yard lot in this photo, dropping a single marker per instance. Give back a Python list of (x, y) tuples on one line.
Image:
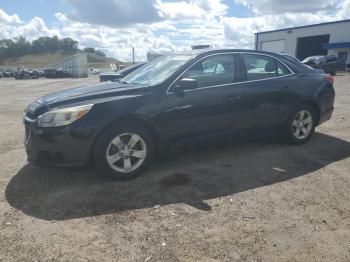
[(252, 201)]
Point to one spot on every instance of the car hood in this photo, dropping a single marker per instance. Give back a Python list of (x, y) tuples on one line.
[(90, 92), (85, 95)]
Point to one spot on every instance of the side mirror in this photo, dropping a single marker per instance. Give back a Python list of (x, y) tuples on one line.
[(185, 84)]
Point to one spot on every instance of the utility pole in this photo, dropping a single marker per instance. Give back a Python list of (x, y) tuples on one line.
[(133, 55)]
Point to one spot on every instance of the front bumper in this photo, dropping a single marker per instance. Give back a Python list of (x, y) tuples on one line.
[(57, 146)]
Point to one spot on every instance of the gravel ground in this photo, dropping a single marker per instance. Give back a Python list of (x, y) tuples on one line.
[(253, 201)]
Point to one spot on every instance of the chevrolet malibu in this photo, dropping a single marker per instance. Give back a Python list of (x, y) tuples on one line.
[(177, 100)]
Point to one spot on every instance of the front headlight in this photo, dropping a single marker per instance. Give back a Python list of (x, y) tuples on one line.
[(63, 116)]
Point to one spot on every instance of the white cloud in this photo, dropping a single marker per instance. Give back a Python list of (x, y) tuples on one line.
[(114, 13), (129, 12), (8, 19), (12, 27), (168, 26), (344, 8), (180, 10), (195, 9), (239, 32), (287, 6)]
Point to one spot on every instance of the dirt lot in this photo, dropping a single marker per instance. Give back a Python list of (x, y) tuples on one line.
[(253, 201)]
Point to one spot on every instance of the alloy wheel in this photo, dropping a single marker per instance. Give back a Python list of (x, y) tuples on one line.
[(126, 152), (302, 124)]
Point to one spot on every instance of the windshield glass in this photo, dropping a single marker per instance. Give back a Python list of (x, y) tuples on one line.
[(157, 70)]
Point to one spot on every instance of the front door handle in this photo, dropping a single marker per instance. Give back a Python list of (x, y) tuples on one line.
[(233, 97)]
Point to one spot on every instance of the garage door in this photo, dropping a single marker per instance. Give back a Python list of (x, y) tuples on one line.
[(273, 46)]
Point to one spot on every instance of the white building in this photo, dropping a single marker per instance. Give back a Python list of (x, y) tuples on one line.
[(76, 65), (331, 38)]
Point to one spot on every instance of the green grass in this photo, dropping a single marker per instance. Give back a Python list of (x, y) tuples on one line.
[(47, 59)]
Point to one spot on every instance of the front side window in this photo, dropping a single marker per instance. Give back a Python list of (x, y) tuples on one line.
[(262, 67), (156, 71), (212, 71)]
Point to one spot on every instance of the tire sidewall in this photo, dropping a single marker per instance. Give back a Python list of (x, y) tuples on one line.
[(103, 141), (288, 126)]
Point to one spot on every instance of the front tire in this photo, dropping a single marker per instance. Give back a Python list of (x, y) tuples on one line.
[(300, 125), (123, 151)]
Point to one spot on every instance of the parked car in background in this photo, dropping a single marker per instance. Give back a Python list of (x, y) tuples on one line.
[(27, 74), (94, 71), (7, 72), (294, 59), (327, 63), (56, 73), (176, 100), (114, 76)]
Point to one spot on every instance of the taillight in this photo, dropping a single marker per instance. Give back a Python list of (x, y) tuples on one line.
[(329, 78)]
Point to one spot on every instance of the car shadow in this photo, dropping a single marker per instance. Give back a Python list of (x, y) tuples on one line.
[(190, 176)]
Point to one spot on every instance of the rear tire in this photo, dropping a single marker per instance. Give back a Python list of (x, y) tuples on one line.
[(300, 125), (123, 151)]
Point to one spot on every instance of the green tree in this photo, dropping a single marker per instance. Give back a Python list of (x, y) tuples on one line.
[(68, 44), (6, 48), (20, 46), (92, 50)]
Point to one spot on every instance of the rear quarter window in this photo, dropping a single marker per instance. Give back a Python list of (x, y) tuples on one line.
[(259, 67)]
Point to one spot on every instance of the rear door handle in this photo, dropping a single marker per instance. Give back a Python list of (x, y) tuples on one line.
[(286, 89)]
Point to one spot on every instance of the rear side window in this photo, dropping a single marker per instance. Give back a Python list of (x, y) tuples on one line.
[(212, 71), (260, 67)]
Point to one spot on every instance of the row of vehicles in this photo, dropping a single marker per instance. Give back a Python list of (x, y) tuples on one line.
[(189, 98), (7, 72), (35, 74)]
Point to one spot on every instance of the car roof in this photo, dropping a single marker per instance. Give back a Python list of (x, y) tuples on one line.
[(213, 51), (205, 52)]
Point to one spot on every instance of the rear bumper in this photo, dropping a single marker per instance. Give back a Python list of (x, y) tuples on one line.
[(325, 116), (326, 103)]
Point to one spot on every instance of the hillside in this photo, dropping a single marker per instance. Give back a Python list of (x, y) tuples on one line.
[(46, 59)]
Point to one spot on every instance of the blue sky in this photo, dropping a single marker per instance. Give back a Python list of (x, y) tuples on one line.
[(45, 9), (114, 26)]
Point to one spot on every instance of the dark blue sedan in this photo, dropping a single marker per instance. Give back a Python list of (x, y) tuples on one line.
[(176, 100)]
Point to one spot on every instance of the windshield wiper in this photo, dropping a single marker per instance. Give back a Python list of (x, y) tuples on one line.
[(122, 82)]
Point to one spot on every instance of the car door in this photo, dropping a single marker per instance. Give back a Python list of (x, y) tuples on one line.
[(212, 108), (268, 91)]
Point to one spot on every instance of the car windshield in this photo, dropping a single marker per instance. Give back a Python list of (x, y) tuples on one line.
[(157, 70)]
